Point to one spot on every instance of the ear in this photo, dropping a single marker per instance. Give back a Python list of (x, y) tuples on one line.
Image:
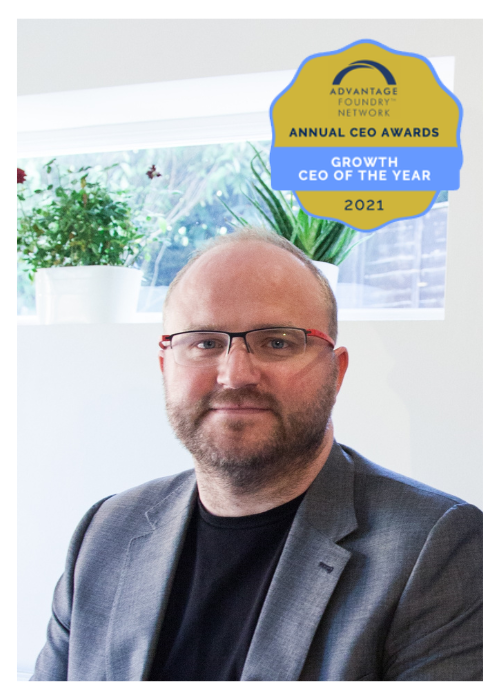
[(342, 363), (161, 358)]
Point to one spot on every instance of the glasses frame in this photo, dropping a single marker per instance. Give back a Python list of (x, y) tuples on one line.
[(311, 332)]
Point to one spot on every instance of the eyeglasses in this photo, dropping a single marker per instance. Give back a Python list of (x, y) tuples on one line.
[(206, 348)]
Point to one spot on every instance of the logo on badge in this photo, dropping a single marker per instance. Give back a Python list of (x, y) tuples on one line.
[(366, 135), (389, 78)]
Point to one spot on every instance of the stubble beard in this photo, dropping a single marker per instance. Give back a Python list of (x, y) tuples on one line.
[(284, 453)]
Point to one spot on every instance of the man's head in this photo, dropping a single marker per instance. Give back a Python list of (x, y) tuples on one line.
[(247, 420), (249, 234)]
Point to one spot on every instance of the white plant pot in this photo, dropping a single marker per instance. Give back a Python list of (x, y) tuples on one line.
[(331, 272), (87, 294)]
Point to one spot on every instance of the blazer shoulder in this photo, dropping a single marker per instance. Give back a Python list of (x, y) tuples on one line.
[(365, 468), (145, 496), (392, 495), (127, 514)]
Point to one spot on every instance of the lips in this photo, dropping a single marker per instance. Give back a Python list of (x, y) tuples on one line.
[(244, 399), (234, 403), (238, 407)]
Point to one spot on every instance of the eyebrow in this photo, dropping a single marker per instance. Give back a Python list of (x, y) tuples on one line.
[(212, 327)]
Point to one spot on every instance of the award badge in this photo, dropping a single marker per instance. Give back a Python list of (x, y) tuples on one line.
[(366, 135)]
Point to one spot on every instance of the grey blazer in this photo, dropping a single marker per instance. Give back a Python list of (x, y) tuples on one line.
[(380, 579)]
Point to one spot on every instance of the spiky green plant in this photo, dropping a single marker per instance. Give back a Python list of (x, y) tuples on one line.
[(319, 239)]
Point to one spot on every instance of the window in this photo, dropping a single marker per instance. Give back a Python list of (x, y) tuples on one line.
[(196, 132), (177, 210)]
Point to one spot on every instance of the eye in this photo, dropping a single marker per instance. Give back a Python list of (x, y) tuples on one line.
[(209, 344), (277, 343)]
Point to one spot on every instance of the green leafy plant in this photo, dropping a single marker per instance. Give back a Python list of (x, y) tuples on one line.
[(319, 239), (74, 221)]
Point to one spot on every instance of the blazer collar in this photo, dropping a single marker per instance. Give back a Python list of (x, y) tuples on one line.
[(306, 576), (329, 502), (145, 583)]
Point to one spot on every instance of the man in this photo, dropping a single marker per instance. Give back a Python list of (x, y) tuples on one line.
[(284, 555)]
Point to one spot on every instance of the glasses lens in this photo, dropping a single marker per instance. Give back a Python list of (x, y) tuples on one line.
[(200, 349), (275, 344)]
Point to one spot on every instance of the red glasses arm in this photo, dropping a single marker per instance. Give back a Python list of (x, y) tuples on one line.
[(319, 334), (164, 339)]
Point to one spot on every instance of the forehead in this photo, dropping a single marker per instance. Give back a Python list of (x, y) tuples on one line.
[(244, 285)]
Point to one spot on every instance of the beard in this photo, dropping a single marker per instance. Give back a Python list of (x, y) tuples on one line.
[(285, 451)]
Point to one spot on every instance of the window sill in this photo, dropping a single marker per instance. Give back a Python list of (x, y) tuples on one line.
[(138, 318), (344, 315)]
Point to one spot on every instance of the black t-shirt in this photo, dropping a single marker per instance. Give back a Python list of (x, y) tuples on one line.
[(224, 572)]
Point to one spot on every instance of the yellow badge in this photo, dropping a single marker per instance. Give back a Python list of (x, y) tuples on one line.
[(366, 135)]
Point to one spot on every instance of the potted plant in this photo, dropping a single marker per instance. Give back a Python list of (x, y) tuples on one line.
[(326, 243), (77, 240)]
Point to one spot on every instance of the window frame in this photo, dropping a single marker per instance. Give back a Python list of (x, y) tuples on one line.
[(198, 111)]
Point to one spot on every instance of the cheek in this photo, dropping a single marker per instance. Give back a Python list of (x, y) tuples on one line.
[(287, 387), (304, 386), (299, 381), (185, 384)]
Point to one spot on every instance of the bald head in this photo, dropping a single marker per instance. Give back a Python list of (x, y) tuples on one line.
[(257, 272)]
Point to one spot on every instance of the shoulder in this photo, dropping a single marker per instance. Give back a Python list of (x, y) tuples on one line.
[(381, 482), (397, 501), (133, 512), (149, 494)]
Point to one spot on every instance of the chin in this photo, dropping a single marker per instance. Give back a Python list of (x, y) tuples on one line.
[(239, 443)]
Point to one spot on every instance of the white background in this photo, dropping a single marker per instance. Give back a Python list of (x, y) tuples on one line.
[(91, 417)]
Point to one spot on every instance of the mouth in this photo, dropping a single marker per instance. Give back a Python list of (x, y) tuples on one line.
[(239, 404), (239, 409)]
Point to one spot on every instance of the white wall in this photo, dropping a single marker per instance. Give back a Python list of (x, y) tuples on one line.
[(91, 416)]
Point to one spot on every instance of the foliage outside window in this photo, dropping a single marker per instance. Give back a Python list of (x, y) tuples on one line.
[(402, 266), (74, 221)]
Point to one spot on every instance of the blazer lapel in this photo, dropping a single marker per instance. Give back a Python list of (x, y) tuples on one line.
[(144, 586), (305, 578)]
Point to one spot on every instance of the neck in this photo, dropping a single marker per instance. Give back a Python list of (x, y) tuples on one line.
[(221, 498)]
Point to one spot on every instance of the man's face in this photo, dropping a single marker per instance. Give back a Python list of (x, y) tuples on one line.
[(242, 418)]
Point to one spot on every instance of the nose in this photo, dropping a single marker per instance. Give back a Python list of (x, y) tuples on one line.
[(237, 368)]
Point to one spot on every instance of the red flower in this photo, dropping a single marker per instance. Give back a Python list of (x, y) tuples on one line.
[(21, 176), (153, 172)]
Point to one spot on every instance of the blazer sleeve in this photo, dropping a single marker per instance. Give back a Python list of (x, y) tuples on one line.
[(52, 662), (436, 632)]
